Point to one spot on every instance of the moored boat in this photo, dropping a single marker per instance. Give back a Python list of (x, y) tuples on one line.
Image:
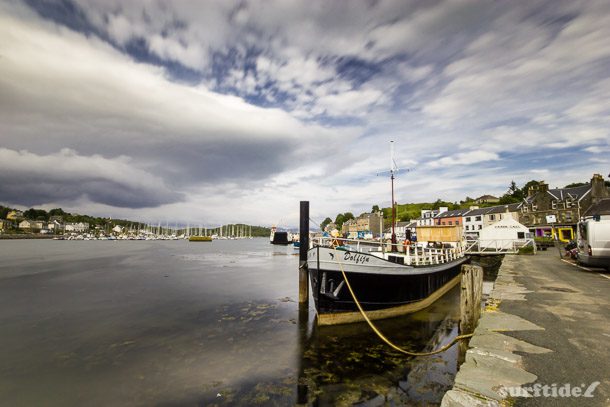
[(200, 239), (386, 284), (278, 237), (352, 277)]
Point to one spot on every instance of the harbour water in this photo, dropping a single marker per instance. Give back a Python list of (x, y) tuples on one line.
[(172, 323)]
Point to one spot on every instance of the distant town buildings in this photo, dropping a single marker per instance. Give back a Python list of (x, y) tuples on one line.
[(542, 211), (365, 224), (78, 227)]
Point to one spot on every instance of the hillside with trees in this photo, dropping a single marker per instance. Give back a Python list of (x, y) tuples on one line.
[(102, 223)]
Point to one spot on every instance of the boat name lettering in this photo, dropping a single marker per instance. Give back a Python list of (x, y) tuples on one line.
[(356, 258)]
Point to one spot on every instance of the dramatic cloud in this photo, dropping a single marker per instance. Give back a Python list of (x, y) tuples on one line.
[(200, 111), (34, 179)]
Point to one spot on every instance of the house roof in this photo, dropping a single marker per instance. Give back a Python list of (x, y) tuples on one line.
[(504, 208), (575, 193), (453, 213), (487, 197), (600, 208), (476, 212)]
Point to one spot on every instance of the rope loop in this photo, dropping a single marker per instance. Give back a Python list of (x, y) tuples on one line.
[(382, 336)]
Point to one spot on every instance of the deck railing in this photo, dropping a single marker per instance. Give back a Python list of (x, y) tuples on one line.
[(498, 246), (413, 254)]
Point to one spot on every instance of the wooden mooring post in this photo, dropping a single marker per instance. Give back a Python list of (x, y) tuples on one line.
[(303, 248), (470, 303)]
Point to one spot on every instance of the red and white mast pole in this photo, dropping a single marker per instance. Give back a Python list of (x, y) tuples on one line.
[(392, 169)]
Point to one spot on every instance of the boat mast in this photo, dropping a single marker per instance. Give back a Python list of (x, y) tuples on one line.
[(392, 169)]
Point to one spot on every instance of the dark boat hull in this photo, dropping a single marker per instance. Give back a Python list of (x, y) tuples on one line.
[(383, 288), (280, 238)]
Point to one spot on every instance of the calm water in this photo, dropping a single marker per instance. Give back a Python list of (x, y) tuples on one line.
[(140, 323)]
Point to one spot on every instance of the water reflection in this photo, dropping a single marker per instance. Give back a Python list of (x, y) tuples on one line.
[(347, 365)]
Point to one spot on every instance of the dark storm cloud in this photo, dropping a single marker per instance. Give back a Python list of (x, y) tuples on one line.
[(119, 133), (31, 179), (214, 163)]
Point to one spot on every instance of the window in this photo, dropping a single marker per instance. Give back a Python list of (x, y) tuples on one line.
[(480, 227), (554, 204), (450, 222), (478, 218), (457, 222), (520, 235), (534, 207), (492, 217), (568, 203), (467, 218)]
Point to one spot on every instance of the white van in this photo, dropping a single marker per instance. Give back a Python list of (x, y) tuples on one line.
[(594, 242)]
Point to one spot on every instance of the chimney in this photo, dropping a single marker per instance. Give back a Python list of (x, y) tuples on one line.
[(543, 186), (532, 190), (598, 188)]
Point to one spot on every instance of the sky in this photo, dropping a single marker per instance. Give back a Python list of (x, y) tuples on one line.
[(226, 112)]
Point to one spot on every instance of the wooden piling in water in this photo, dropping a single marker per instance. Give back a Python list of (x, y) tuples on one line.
[(470, 297), (303, 247), (470, 304)]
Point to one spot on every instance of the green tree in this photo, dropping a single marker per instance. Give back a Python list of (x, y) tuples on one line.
[(36, 214), (339, 220), (4, 211), (527, 186), (325, 223), (57, 212), (513, 195), (342, 218), (576, 184), (507, 199), (513, 189), (375, 209), (404, 217), (439, 202)]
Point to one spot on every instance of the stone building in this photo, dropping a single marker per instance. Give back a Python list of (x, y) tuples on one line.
[(567, 205), (349, 227), (370, 222)]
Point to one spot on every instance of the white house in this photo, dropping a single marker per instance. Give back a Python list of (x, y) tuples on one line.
[(77, 227), (31, 224), (497, 213), (473, 221), (403, 227), (504, 234), (54, 225), (428, 215)]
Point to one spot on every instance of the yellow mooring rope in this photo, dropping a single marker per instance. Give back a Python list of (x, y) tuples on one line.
[(382, 336)]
